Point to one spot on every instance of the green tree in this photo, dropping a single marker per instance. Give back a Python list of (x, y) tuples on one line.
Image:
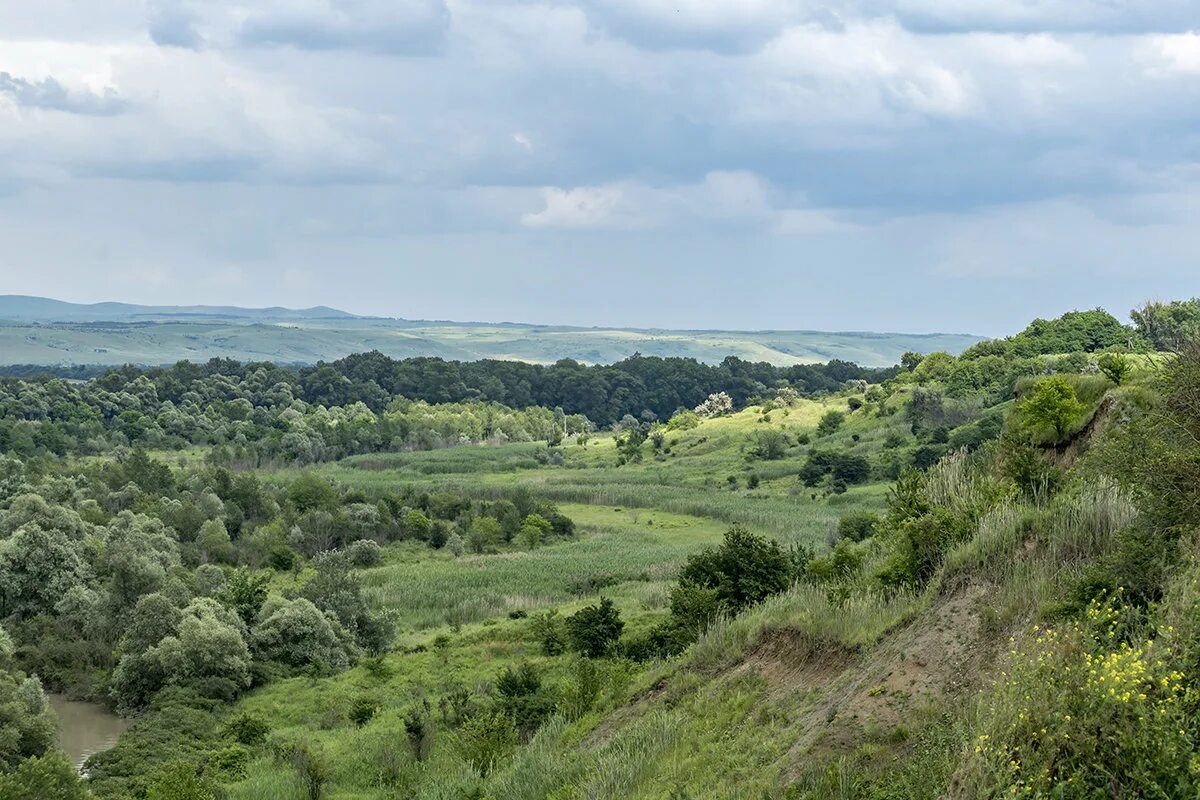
[(1051, 404), (1115, 367), (296, 633), (484, 532), (213, 542), (744, 570), (37, 568)]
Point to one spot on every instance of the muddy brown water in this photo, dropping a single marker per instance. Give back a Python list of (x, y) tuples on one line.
[(85, 728)]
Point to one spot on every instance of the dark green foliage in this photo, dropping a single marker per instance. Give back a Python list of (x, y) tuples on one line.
[(363, 709), (841, 563), (858, 526), (245, 592), (181, 727), (927, 455), (550, 631), (919, 544), (247, 729), (846, 468), (520, 694), (594, 629), (744, 570), (830, 422), (1075, 331)]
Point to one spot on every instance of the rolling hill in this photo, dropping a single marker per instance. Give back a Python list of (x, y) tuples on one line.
[(35, 330)]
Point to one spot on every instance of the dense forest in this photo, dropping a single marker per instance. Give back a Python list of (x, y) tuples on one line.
[(377, 578)]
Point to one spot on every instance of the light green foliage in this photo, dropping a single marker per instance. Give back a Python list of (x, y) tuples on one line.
[(213, 542), (1115, 366), (484, 532), (296, 633), (50, 777), (179, 781), (1051, 405)]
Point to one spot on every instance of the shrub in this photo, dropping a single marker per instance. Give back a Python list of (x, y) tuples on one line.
[(364, 553), (743, 571), (830, 422), (1052, 405), (550, 631), (523, 698), (486, 738), (363, 709), (1082, 714), (769, 445), (593, 630), (858, 526), (1115, 367)]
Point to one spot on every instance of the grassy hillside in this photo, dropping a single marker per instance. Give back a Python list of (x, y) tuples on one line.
[(975, 579), (39, 331)]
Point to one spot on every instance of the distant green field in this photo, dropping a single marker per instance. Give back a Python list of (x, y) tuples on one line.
[(165, 341)]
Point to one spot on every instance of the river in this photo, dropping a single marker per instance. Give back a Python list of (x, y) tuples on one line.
[(85, 728)]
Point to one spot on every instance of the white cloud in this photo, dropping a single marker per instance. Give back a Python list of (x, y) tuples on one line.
[(1176, 53), (583, 207), (723, 199)]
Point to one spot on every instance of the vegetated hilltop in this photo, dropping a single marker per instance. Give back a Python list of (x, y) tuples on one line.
[(49, 332), (970, 577)]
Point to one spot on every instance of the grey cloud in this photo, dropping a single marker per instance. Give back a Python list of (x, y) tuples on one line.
[(400, 27), (173, 24), (51, 95)]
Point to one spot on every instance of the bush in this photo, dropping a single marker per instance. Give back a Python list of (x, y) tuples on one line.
[(858, 526), (745, 570), (830, 422), (1082, 714), (593, 630), (550, 631), (522, 697), (364, 553), (50, 777), (769, 445)]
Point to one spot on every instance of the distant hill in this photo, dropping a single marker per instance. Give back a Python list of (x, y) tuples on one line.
[(24, 308), (38, 330)]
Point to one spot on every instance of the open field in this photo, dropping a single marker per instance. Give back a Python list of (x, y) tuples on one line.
[(65, 334)]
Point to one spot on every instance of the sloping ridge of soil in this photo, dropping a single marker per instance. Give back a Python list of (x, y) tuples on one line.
[(939, 654), (1068, 449)]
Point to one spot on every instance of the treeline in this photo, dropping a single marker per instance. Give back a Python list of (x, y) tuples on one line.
[(262, 413), (638, 386)]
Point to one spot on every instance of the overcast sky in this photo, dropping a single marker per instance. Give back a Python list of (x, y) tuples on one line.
[(915, 165)]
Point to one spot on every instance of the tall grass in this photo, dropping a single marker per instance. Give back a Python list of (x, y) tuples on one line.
[(810, 619)]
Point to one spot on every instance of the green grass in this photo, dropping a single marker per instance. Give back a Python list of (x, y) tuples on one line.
[(636, 524), (629, 553)]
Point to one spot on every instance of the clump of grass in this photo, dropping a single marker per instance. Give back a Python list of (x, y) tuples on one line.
[(816, 622)]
